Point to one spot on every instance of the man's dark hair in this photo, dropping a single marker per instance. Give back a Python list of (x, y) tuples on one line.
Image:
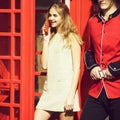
[(94, 1), (116, 1)]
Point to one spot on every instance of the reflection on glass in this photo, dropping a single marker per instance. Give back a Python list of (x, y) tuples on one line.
[(4, 92), (16, 113), (4, 69), (5, 45), (5, 22)]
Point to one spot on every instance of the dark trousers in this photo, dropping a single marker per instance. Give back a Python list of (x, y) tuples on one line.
[(100, 108)]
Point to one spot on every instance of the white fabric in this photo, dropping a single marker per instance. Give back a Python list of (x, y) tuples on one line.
[(59, 77)]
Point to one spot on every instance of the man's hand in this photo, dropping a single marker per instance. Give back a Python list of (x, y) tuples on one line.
[(96, 73), (107, 74)]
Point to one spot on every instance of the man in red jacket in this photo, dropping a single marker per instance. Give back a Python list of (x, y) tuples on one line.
[(102, 59)]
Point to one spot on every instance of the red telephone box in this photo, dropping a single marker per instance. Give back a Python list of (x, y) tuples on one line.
[(17, 59), (21, 79)]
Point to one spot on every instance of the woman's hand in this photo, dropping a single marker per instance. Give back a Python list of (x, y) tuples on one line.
[(46, 36), (69, 103)]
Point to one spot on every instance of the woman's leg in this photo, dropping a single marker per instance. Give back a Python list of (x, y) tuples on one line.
[(42, 115), (67, 115)]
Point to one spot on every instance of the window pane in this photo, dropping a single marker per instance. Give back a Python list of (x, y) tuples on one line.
[(5, 22), (17, 4), (5, 4), (4, 113), (44, 4), (4, 69), (5, 45), (16, 93), (17, 46), (39, 83), (17, 22), (4, 92), (16, 114), (17, 70)]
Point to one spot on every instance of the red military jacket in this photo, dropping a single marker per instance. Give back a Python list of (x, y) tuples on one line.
[(103, 49)]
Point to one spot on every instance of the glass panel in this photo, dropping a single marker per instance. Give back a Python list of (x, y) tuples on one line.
[(17, 93), (17, 113), (17, 70), (38, 49), (36, 100), (4, 113), (38, 67), (4, 92), (39, 83), (5, 4), (17, 22), (44, 4), (39, 21), (17, 4), (37, 64), (5, 22), (17, 46), (4, 69), (5, 45)]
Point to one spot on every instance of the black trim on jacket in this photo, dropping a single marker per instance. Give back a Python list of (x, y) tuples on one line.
[(114, 68), (90, 61)]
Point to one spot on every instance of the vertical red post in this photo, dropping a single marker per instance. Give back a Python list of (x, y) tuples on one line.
[(80, 12), (27, 58)]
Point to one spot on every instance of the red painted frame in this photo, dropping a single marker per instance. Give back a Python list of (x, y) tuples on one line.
[(79, 9)]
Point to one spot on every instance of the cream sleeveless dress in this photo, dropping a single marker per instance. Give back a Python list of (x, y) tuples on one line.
[(59, 78)]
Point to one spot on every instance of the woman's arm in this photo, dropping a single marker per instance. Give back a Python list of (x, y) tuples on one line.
[(76, 56), (44, 56)]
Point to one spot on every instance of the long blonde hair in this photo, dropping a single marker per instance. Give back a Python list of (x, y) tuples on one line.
[(67, 27)]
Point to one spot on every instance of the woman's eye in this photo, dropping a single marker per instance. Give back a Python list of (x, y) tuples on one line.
[(49, 15), (55, 15)]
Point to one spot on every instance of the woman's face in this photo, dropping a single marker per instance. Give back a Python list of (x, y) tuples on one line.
[(105, 4), (54, 18)]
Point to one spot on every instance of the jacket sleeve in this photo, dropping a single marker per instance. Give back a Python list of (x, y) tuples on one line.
[(114, 68), (90, 61)]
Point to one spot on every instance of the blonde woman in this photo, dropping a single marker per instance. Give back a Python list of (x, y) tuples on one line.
[(61, 57)]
